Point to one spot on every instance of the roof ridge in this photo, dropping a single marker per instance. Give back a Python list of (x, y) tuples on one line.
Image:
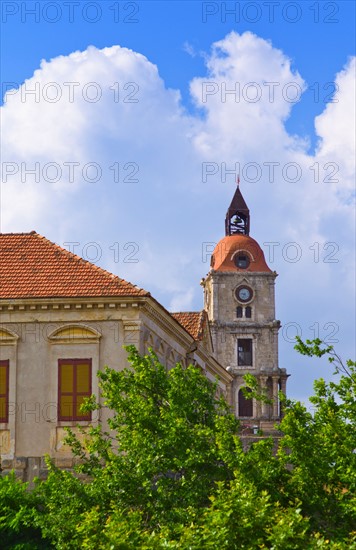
[(20, 233), (185, 312)]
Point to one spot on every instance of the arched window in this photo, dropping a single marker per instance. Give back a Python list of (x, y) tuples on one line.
[(245, 404), (239, 312), (242, 261), (248, 312)]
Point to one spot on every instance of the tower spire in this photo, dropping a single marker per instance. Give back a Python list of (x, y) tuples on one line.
[(237, 219)]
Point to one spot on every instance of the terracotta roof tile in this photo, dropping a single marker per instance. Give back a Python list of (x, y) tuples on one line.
[(31, 266), (193, 321), (222, 258)]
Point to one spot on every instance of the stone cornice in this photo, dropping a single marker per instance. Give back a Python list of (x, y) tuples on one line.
[(224, 274), (73, 303), (244, 326)]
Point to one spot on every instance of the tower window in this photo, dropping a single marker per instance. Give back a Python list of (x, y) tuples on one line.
[(244, 352), (239, 312), (248, 312), (242, 261)]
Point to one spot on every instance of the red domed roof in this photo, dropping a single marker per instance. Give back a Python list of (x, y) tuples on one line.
[(225, 256)]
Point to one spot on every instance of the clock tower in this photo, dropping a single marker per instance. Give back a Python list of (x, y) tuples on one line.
[(239, 299)]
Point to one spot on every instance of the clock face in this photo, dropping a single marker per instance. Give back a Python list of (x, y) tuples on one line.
[(244, 293)]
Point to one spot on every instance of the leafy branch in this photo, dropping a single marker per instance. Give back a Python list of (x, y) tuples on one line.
[(312, 348)]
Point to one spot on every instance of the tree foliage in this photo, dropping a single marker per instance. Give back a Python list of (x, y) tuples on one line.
[(18, 512), (170, 472)]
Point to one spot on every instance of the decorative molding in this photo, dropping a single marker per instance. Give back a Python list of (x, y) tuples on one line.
[(244, 251), (239, 370), (74, 334), (7, 337), (132, 331), (215, 275)]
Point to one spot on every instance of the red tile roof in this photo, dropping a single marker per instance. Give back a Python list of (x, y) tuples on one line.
[(194, 322), (31, 266)]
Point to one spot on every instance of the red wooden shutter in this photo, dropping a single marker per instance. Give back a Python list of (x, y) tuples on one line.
[(74, 385), (4, 391)]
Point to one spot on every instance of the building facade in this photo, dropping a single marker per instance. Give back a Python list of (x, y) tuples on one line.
[(62, 319)]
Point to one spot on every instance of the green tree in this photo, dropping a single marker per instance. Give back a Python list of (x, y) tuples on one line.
[(170, 441), (320, 447), (17, 516), (170, 471)]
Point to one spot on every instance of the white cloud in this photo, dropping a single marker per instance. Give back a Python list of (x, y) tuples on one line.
[(336, 126), (189, 49), (263, 81), (169, 213), (182, 301)]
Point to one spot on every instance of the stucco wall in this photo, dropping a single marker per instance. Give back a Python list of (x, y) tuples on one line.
[(36, 334)]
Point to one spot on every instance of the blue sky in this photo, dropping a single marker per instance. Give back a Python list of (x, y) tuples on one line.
[(170, 136), (318, 37)]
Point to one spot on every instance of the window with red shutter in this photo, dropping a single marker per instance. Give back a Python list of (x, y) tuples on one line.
[(4, 391), (74, 385)]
